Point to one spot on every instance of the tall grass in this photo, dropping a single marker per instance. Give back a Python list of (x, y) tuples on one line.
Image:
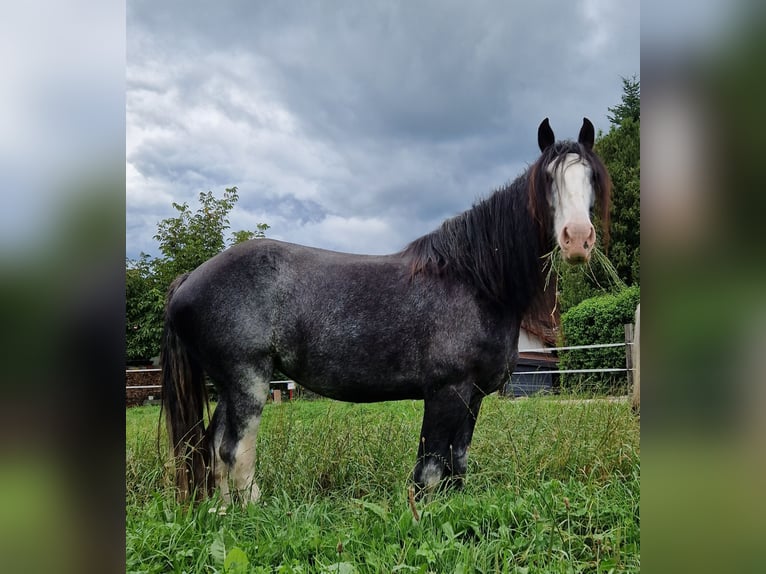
[(552, 485)]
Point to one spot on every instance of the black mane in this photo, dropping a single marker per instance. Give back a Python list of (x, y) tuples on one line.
[(498, 245), (494, 246)]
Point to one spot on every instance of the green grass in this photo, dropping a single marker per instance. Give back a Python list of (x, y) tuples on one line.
[(552, 486)]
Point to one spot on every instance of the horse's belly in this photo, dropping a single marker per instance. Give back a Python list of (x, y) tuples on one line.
[(361, 390)]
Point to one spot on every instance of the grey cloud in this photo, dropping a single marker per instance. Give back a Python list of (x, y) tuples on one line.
[(420, 69), (328, 112)]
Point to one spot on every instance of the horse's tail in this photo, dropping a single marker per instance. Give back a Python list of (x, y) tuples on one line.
[(184, 400)]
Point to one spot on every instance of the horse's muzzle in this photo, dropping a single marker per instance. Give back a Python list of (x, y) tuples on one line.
[(576, 242)]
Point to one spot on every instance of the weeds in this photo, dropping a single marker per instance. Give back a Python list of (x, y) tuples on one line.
[(552, 486)]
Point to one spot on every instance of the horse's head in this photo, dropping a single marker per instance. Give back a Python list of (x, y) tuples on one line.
[(572, 181)]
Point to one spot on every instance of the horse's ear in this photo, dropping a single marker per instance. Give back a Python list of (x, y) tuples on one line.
[(587, 134), (545, 135)]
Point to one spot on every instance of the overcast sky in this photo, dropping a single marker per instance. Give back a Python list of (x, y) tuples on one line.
[(356, 126)]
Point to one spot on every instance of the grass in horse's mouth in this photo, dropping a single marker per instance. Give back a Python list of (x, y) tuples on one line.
[(611, 273), (554, 265)]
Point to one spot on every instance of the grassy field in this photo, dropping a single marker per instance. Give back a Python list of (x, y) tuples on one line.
[(552, 486)]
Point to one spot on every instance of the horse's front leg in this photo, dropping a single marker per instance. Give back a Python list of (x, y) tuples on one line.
[(449, 419)]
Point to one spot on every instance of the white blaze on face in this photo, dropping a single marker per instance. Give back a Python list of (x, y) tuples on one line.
[(572, 198)]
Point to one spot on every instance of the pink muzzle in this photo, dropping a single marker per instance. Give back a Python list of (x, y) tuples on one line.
[(577, 241)]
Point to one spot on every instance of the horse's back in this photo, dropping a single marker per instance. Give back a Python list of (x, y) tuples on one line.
[(261, 287)]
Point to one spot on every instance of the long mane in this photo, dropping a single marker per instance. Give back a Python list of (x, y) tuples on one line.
[(498, 245)]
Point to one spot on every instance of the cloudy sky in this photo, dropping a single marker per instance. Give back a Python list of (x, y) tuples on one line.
[(356, 126)]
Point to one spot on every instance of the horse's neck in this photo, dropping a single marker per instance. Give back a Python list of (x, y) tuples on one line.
[(509, 253)]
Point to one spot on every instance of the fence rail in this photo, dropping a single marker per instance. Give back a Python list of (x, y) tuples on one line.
[(627, 343), (576, 347), (571, 371), (160, 386)]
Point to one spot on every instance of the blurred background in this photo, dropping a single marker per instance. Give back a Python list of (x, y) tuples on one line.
[(703, 200), (62, 158), (62, 161)]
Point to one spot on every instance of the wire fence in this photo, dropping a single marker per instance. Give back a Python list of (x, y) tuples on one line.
[(286, 381), (626, 344)]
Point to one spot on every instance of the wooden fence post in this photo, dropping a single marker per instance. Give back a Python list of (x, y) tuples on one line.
[(629, 353), (636, 355)]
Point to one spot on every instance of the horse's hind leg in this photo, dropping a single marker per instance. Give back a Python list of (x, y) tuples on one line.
[(234, 429)]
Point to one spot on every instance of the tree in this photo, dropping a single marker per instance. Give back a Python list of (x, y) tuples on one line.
[(190, 239), (242, 236), (186, 241), (620, 150), (630, 108), (144, 305)]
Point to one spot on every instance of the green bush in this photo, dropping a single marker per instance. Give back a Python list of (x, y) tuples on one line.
[(597, 320)]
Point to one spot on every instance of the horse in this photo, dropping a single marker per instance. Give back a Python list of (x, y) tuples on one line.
[(437, 321)]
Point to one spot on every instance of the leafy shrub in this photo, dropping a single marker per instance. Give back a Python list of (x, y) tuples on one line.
[(597, 320)]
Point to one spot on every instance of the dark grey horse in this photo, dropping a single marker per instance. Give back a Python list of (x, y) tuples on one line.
[(438, 321)]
